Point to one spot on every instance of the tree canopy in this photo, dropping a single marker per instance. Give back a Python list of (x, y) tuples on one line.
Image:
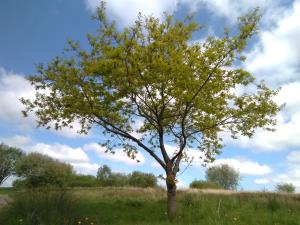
[(8, 158), (182, 91), (41, 170), (224, 175)]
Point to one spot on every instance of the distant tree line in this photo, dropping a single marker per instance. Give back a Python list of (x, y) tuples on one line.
[(38, 170)]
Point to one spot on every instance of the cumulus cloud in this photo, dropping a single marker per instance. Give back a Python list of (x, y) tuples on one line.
[(287, 131), (276, 56), (85, 168), (12, 88), (245, 167), (126, 12), (289, 174), (60, 151), (294, 157), (118, 156), (230, 9), (18, 141)]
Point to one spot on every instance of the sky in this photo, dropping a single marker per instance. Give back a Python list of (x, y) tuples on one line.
[(33, 32)]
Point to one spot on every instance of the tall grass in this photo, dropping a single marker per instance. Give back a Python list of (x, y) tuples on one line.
[(136, 206), (40, 207)]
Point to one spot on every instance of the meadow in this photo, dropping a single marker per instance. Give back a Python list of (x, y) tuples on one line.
[(138, 206)]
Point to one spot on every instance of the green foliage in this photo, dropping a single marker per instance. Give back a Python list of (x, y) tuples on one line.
[(8, 158), (41, 170), (104, 173), (78, 180), (151, 71), (223, 175), (285, 187), (139, 179), (202, 184), (116, 180), (136, 179), (43, 206)]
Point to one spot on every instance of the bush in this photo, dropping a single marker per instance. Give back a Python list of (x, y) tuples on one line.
[(136, 179), (202, 184), (82, 181), (43, 206), (117, 180), (41, 170), (139, 179), (223, 175), (285, 187)]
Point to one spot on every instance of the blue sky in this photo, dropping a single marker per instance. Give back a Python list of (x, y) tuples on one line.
[(36, 31)]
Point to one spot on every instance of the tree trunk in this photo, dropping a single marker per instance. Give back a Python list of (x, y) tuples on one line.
[(171, 193)]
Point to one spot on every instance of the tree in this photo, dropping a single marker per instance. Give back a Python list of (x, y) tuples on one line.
[(181, 91), (104, 173), (223, 175), (41, 170), (285, 187), (140, 179), (8, 158)]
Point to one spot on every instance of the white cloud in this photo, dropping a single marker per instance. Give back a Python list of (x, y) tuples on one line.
[(276, 56), (18, 141), (245, 167), (85, 168), (230, 9), (262, 181), (119, 156), (287, 131), (12, 88), (294, 157), (60, 152), (126, 11), (290, 173)]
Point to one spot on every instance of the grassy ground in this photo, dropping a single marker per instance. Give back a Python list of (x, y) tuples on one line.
[(122, 206)]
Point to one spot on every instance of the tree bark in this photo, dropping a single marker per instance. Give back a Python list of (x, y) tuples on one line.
[(171, 196)]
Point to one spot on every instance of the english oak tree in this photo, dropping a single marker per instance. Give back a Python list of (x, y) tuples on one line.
[(181, 91)]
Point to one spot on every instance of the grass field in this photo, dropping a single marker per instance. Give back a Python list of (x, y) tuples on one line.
[(135, 206)]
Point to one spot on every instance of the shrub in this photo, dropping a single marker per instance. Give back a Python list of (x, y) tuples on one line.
[(140, 179), (117, 179), (202, 184), (108, 178), (285, 187), (223, 175), (41, 170), (82, 181)]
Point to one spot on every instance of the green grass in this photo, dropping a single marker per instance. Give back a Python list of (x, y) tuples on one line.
[(133, 206), (4, 191)]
